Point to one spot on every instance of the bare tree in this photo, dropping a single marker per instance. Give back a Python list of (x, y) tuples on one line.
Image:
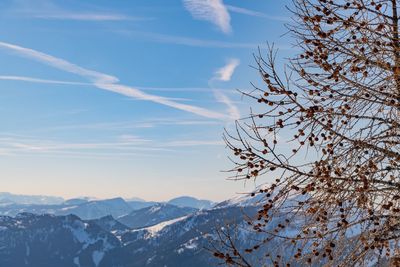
[(327, 130)]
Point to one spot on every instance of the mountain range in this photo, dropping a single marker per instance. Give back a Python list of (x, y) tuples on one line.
[(6, 197), (159, 235), (85, 208)]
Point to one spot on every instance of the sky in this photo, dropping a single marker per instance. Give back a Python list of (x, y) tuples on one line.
[(128, 98)]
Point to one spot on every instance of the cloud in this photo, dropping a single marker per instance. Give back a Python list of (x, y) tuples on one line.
[(213, 11), (123, 146), (107, 82), (85, 16), (225, 73), (127, 125), (188, 41), (253, 13), (188, 143), (49, 10), (60, 64), (36, 80), (232, 108), (143, 88)]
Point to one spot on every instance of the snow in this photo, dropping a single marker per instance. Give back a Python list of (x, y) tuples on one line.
[(117, 234), (79, 233), (153, 230), (97, 256), (191, 244), (69, 208), (76, 261), (155, 209), (149, 260), (243, 200)]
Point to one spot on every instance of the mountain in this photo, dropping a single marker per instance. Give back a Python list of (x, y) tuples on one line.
[(138, 199), (137, 205), (47, 241), (109, 224), (6, 202), (86, 208), (180, 242), (12, 209), (98, 208), (67, 241), (27, 199), (82, 208), (154, 215), (76, 201), (192, 202)]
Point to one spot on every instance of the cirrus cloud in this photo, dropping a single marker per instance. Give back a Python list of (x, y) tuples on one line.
[(107, 82), (213, 11), (225, 73)]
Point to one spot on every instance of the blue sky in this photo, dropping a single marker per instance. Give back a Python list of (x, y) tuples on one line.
[(127, 98)]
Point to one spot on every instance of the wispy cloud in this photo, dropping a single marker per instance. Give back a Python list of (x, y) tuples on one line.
[(188, 143), (143, 88), (60, 64), (225, 73), (84, 16), (253, 13), (213, 11), (107, 82), (233, 110), (128, 125), (51, 10), (123, 146), (195, 42), (187, 41), (37, 80)]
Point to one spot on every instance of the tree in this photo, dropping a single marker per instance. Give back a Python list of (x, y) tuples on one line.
[(328, 130)]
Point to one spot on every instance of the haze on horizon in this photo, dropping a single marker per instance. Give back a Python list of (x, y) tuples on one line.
[(127, 99)]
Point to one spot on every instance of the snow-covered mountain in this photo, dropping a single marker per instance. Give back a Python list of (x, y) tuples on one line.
[(48, 240), (154, 215), (98, 208), (191, 202), (76, 201), (27, 199), (183, 241), (162, 237), (84, 209), (109, 224), (137, 205)]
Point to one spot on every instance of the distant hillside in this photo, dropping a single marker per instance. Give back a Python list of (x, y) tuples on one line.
[(49, 241), (83, 209), (186, 201), (98, 208), (137, 205), (29, 200), (153, 215)]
